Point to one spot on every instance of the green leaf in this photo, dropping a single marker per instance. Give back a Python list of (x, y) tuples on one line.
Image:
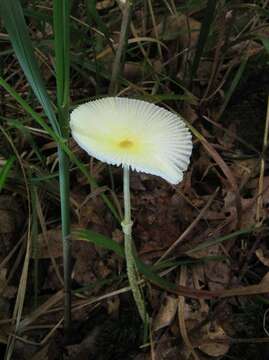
[(5, 171), (13, 18)]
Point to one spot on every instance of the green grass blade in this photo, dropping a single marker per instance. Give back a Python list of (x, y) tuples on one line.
[(109, 244), (61, 25), (5, 171), (59, 140), (233, 86), (17, 124), (203, 35), (219, 240), (65, 222), (39, 120), (61, 28), (96, 18), (149, 272), (13, 18), (99, 240), (265, 42)]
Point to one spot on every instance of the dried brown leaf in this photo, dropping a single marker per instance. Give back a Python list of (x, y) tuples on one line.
[(166, 313), (261, 256), (209, 344), (182, 28), (49, 244)]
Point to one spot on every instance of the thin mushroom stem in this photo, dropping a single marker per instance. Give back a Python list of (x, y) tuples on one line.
[(129, 248)]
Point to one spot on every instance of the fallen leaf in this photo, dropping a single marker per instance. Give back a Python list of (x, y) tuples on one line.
[(166, 350), (265, 279), (217, 272), (49, 244), (166, 313), (183, 28), (194, 314), (6, 291), (104, 4), (209, 342), (263, 259), (117, 235), (11, 219)]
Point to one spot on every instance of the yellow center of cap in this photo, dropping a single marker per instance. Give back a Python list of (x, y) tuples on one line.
[(126, 144)]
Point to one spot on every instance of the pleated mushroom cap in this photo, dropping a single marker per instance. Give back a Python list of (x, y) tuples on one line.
[(134, 133)]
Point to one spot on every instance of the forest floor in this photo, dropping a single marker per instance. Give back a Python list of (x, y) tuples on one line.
[(206, 60)]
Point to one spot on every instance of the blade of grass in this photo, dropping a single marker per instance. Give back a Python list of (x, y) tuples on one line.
[(60, 140), (95, 17), (5, 171), (265, 42), (61, 26), (146, 270), (99, 240), (109, 244), (232, 88), (203, 35), (14, 22), (19, 303), (219, 240), (17, 30), (14, 123)]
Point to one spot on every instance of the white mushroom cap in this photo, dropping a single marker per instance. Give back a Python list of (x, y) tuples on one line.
[(134, 133)]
